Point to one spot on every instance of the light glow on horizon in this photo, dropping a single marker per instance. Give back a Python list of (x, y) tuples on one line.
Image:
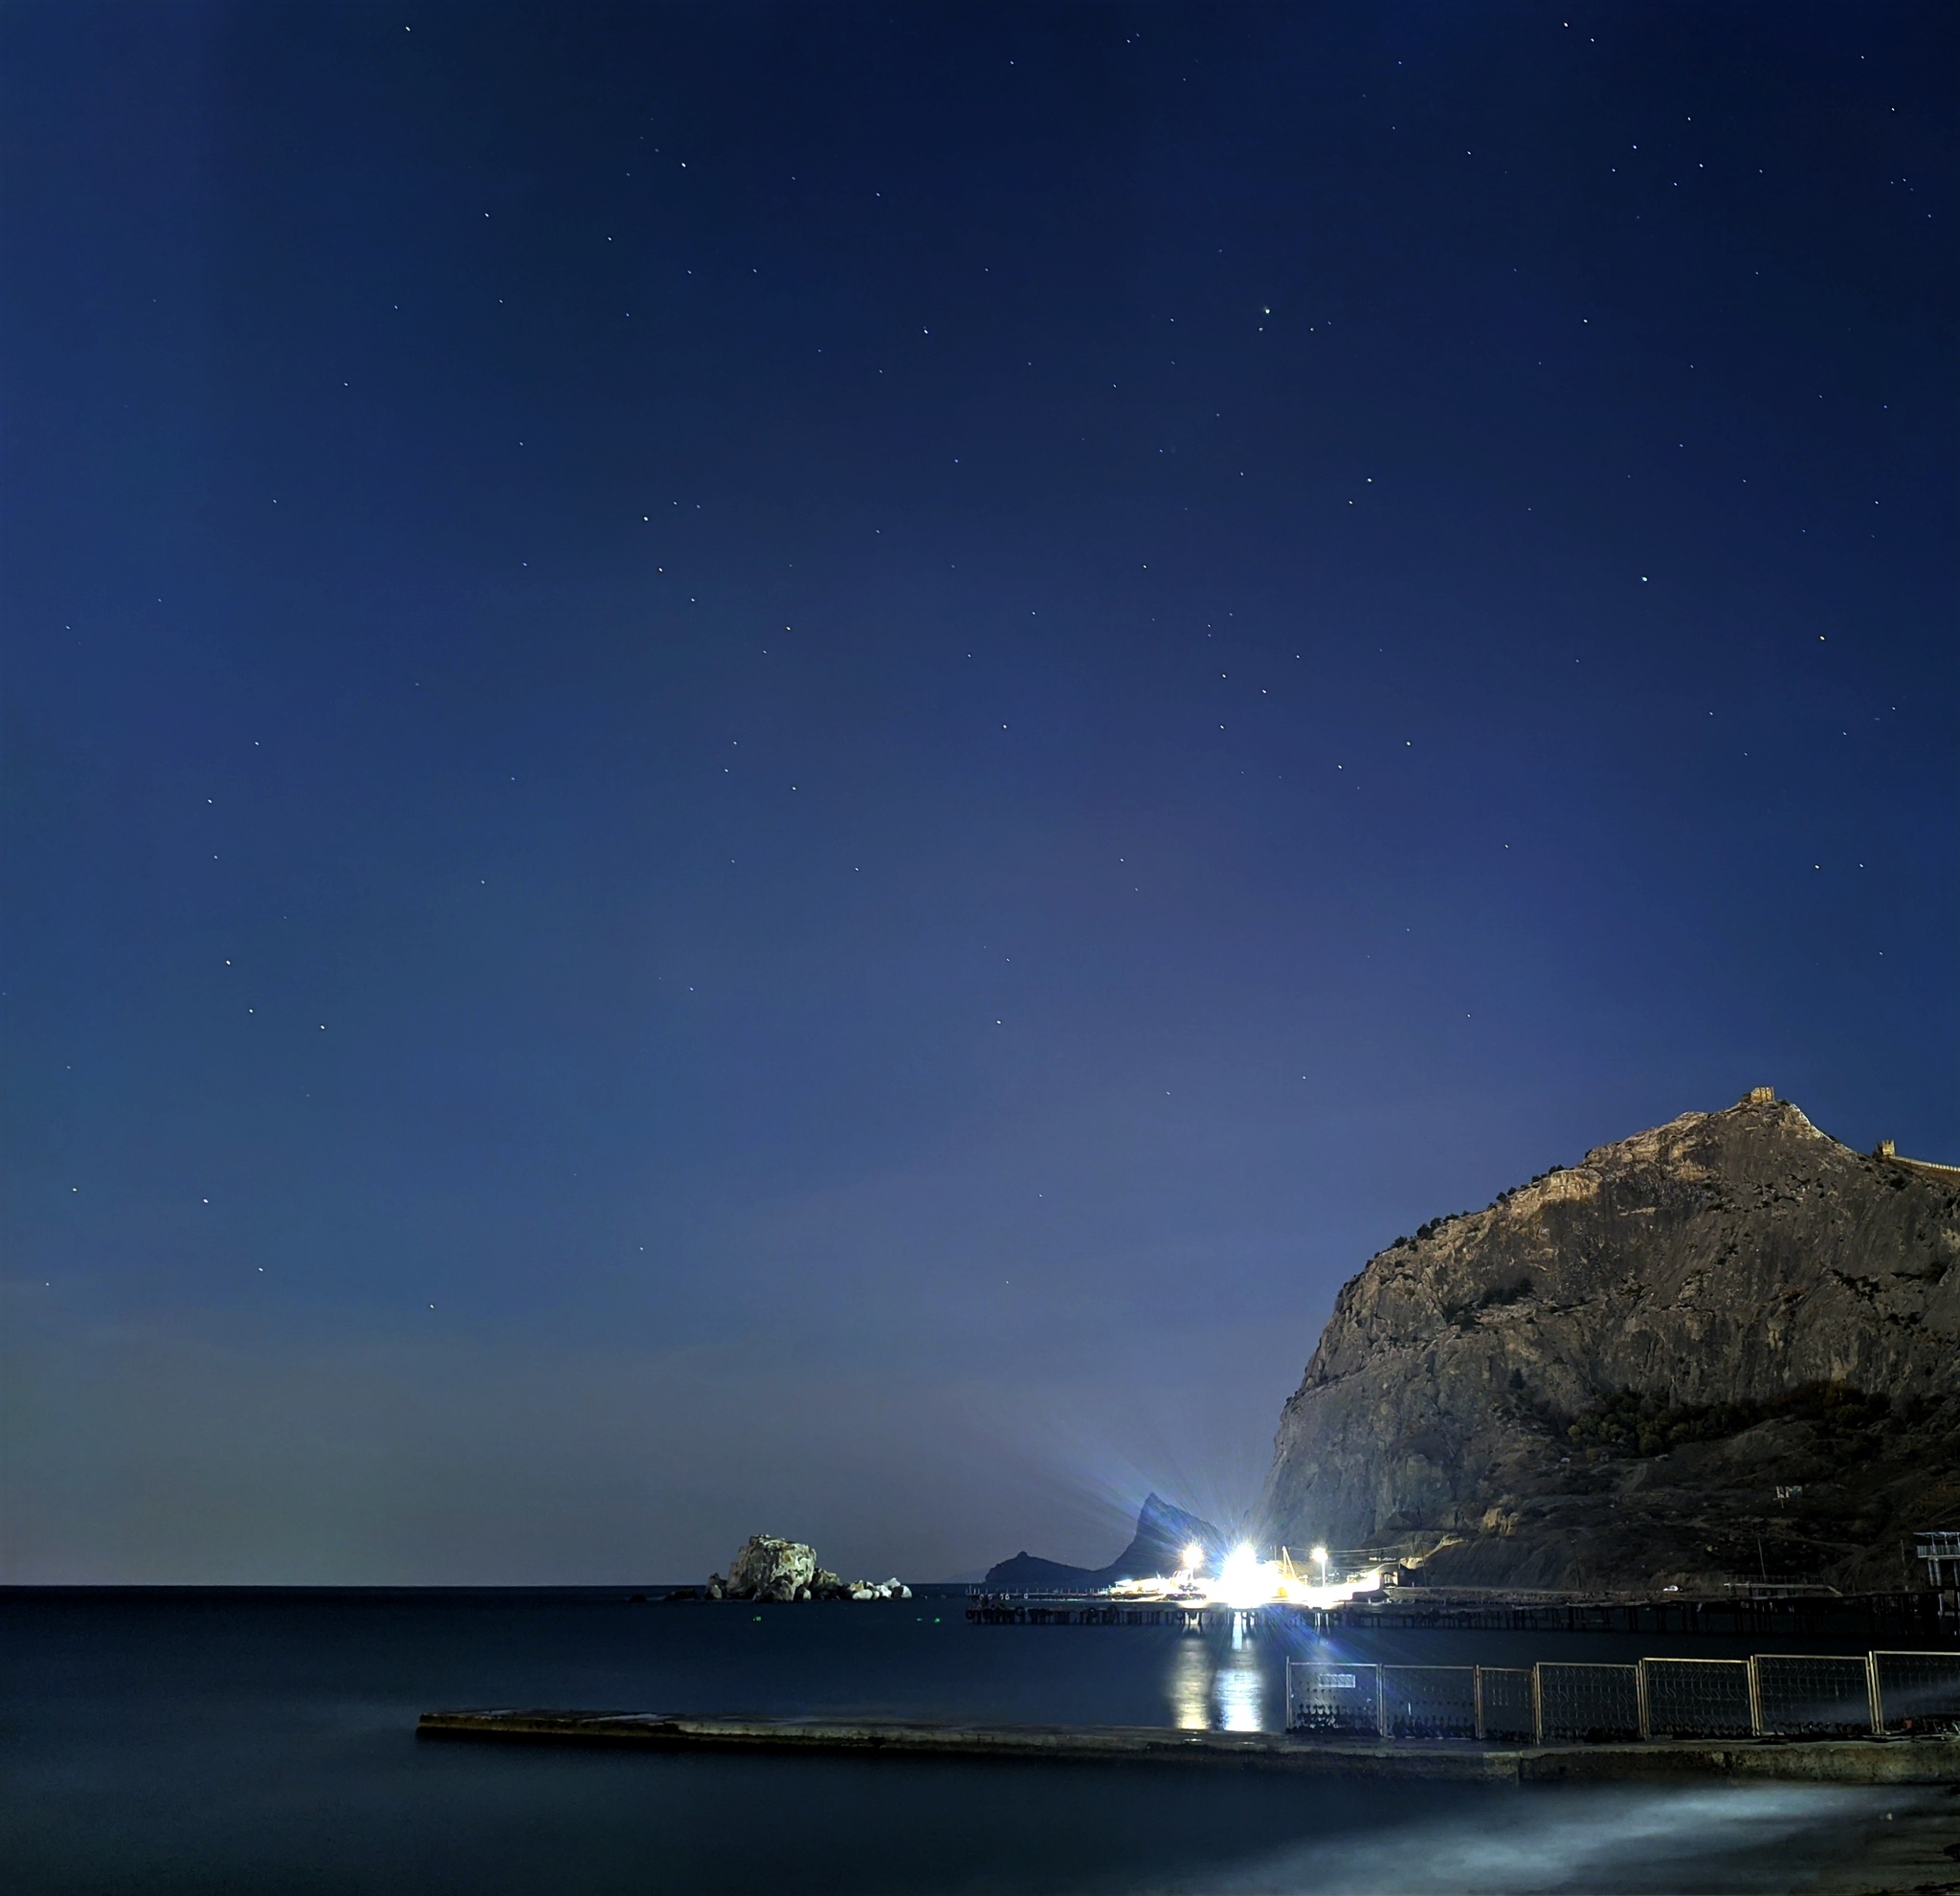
[(1245, 1581)]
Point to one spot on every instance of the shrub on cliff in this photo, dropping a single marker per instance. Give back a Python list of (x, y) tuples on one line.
[(1631, 1424)]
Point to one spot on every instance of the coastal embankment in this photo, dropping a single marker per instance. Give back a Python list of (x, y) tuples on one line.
[(1873, 1761)]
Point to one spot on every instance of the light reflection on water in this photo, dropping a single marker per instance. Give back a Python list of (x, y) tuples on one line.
[(1190, 1686), (1239, 1686), (1218, 1687)]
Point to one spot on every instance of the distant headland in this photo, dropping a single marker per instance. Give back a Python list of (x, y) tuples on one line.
[(1164, 1534)]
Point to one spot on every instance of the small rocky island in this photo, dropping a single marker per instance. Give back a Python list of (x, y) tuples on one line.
[(781, 1572)]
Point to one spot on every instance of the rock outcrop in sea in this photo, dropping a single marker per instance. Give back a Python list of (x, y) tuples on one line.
[(1727, 1348), (1158, 1547), (778, 1571)]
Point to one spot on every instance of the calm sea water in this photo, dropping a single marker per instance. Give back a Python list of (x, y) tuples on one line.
[(264, 1742)]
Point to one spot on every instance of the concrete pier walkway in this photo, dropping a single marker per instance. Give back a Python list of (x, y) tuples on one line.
[(1821, 1761)]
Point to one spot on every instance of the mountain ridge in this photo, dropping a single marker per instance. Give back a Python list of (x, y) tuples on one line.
[(1157, 1546)]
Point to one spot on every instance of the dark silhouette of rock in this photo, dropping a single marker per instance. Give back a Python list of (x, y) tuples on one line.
[(1158, 1546), (1029, 1574), (1727, 1348)]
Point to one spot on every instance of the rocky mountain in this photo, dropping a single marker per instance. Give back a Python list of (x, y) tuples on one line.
[(1157, 1546), (1724, 1348)]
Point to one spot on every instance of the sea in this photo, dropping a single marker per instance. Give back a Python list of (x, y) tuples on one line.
[(162, 1740)]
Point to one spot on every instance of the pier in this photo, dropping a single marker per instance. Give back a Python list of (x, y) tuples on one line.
[(1830, 1761), (1100, 1610), (1767, 1614)]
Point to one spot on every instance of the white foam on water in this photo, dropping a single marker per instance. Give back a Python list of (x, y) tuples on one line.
[(1624, 1840)]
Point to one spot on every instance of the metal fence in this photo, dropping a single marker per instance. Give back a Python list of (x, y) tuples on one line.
[(1504, 1703), (1428, 1701), (1773, 1695), (1357, 1701), (1334, 1701), (1803, 1695), (1588, 1705), (1916, 1692), (1698, 1698)]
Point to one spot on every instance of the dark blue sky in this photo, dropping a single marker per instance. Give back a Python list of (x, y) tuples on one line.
[(780, 768)]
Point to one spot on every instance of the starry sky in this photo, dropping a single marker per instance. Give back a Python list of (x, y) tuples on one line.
[(779, 767)]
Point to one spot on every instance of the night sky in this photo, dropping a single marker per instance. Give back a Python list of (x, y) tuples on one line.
[(779, 769)]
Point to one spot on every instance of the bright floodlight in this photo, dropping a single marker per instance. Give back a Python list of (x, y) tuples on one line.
[(1320, 1554), (1240, 1579), (1194, 1556)]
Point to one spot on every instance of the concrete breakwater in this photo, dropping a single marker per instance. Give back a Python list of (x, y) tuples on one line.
[(1932, 1760)]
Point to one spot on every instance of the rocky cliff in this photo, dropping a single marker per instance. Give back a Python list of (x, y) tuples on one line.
[(1724, 1348), (1158, 1546)]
